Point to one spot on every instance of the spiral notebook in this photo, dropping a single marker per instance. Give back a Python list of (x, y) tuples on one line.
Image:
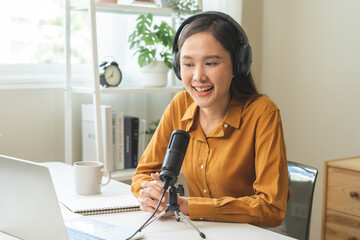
[(102, 204)]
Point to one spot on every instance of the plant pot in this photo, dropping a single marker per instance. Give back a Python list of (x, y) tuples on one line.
[(155, 74)]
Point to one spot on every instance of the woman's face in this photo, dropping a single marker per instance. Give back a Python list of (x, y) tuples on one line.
[(206, 71)]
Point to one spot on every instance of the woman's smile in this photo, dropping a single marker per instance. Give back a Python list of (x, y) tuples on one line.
[(202, 90)]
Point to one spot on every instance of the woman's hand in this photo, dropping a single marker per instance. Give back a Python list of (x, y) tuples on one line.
[(150, 195)]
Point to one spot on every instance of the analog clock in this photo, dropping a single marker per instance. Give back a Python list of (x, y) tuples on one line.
[(111, 77)]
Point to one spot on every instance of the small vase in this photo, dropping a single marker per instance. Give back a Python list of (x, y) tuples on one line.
[(155, 74)]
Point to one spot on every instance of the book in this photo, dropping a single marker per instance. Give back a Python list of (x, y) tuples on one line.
[(118, 140), (131, 137), (101, 204), (89, 134), (142, 134)]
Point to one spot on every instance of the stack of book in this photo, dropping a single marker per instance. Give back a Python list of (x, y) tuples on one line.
[(123, 137)]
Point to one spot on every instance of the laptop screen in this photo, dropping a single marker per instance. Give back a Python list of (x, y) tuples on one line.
[(28, 204)]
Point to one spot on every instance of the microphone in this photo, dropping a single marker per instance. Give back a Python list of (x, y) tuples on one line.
[(174, 157), (170, 169)]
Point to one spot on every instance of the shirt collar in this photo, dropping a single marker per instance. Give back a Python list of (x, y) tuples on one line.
[(232, 116), (189, 115)]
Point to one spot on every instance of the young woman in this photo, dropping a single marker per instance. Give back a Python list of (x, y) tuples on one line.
[(235, 165)]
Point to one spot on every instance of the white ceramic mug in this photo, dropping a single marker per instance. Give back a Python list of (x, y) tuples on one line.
[(88, 177)]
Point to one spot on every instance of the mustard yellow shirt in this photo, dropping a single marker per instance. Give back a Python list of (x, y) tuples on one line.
[(238, 173)]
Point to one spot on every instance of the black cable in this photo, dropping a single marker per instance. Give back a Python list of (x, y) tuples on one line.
[(152, 215)]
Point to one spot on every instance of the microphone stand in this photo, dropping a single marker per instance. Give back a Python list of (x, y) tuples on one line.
[(173, 206)]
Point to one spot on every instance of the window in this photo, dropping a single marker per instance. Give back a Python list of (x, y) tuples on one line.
[(33, 32), (32, 42)]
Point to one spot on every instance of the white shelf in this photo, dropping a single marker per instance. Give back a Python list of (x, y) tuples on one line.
[(123, 175), (117, 90), (126, 9)]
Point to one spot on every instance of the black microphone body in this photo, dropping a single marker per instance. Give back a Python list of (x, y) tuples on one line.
[(174, 157)]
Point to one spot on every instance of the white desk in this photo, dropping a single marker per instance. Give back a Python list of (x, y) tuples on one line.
[(162, 228)]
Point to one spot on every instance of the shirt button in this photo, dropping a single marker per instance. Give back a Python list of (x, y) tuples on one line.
[(202, 167), (226, 125), (205, 191)]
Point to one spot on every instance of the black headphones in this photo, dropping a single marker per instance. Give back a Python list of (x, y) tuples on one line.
[(242, 57)]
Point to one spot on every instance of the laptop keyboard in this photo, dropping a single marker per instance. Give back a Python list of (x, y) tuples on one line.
[(79, 235)]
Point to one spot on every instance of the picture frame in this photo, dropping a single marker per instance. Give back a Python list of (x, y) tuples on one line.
[(147, 2)]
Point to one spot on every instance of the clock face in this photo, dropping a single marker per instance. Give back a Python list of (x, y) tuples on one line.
[(112, 75)]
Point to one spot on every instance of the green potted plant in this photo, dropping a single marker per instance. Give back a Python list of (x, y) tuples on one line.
[(152, 44), (151, 130)]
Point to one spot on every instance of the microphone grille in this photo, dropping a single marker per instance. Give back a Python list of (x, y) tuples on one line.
[(179, 140)]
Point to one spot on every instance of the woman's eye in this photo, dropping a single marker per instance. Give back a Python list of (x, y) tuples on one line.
[(188, 64), (211, 64)]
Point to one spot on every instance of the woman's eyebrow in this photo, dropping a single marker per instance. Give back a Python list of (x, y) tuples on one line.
[(186, 57), (212, 56), (206, 57)]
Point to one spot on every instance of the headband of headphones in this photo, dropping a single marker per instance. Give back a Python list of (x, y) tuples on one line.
[(243, 56)]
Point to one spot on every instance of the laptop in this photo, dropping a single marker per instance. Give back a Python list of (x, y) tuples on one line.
[(29, 208)]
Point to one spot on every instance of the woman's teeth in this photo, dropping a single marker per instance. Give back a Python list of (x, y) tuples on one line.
[(203, 89)]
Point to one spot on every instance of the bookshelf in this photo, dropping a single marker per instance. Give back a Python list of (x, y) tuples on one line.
[(93, 88), (123, 9), (86, 90)]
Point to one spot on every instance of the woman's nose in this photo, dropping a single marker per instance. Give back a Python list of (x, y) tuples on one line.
[(198, 73)]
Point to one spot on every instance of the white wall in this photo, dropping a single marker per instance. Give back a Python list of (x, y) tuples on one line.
[(32, 124), (310, 68)]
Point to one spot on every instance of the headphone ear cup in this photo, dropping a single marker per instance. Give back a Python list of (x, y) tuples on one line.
[(176, 65), (247, 59), (243, 60), (237, 61)]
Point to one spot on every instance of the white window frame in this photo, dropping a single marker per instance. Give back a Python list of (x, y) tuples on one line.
[(34, 76), (15, 76)]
